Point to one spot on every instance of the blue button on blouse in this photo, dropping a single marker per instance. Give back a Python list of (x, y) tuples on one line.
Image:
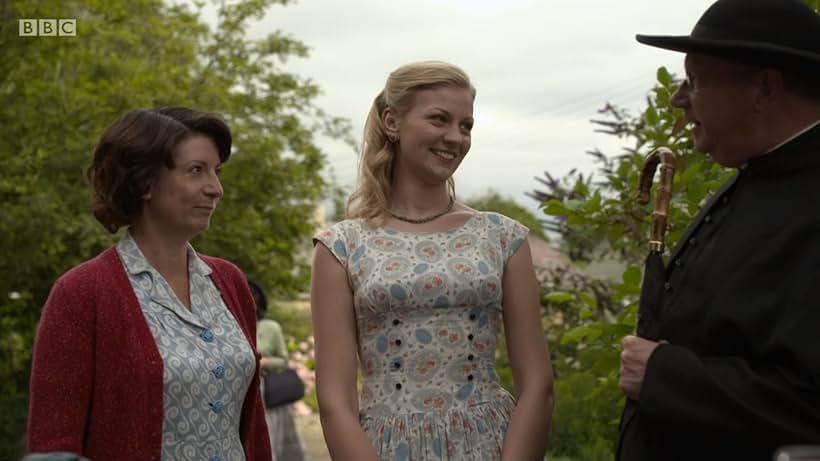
[(218, 407), (219, 372), (199, 372), (207, 336)]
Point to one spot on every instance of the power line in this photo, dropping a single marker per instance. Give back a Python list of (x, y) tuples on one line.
[(576, 106)]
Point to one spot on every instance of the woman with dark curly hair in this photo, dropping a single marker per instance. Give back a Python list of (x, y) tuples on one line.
[(148, 351)]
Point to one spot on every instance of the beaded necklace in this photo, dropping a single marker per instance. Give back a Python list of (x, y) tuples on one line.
[(424, 220)]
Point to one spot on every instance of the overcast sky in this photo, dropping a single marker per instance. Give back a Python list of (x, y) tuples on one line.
[(542, 69)]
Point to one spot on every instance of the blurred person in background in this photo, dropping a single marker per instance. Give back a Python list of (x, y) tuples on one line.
[(287, 444)]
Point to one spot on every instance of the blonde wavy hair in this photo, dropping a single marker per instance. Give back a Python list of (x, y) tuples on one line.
[(375, 179)]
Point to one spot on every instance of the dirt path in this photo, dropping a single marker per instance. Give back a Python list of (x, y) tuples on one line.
[(311, 431)]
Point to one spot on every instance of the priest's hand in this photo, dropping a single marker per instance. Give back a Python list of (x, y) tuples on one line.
[(633, 364)]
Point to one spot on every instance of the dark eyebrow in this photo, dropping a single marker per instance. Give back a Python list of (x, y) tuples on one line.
[(201, 163)]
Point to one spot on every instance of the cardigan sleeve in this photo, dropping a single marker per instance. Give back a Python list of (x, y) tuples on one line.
[(253, 430), (63, 367), (257, 441)]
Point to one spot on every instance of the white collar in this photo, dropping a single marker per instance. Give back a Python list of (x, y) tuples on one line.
[(135, 262), (793, 136)]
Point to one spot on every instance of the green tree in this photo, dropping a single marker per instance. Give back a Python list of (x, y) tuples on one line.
[(59, 93)]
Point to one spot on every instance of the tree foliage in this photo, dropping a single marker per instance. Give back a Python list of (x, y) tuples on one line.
[(60, 92)]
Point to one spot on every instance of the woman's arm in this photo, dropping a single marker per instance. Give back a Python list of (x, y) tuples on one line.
[(62, 371), (529, 428), (334, 331)]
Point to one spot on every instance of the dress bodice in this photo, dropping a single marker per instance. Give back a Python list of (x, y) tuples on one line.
[(427, 308)]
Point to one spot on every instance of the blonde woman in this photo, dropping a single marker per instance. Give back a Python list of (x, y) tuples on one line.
[(415, 284)]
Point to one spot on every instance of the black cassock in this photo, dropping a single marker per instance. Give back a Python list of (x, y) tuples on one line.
[(739, 303)]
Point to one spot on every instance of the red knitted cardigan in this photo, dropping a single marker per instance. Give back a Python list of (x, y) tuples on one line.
[(96, 378)]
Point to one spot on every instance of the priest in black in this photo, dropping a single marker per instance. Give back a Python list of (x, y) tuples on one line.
[(734, 373)]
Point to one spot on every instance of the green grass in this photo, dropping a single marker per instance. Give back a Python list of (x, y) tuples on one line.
[(293, 317)]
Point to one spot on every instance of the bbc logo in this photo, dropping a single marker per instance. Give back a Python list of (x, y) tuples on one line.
[(48, 28)]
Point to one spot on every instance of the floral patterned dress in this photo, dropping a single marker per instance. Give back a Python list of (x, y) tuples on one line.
[(427, 308)]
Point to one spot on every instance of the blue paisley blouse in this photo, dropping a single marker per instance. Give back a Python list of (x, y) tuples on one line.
[(427, 307), (207, 361)]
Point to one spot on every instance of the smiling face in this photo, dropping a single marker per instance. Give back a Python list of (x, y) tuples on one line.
[(182, 199), (434, 134), (718, 99)]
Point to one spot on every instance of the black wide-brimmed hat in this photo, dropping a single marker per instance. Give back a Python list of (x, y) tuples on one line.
[(779, 33)]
